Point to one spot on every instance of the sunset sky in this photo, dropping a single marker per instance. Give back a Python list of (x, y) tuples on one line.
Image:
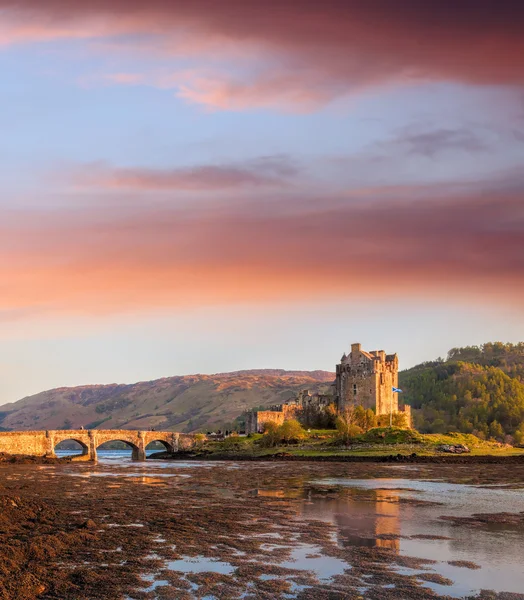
[(206, 186)]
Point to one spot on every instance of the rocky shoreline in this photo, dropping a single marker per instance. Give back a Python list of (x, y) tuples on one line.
[(389, 458), (287, 457), (82, 531)]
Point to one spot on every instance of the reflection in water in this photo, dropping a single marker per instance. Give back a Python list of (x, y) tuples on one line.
[(145, 480), (403, 517), (369, 518), (293, 493), (372, 520)]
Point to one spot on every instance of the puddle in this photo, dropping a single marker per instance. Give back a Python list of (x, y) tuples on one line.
[(200, 564), (309, 558)]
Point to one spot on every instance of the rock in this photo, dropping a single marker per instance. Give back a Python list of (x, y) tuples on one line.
[(89, 524), (453, 449)]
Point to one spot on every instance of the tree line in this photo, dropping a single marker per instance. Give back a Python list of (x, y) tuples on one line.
[(477, 389)]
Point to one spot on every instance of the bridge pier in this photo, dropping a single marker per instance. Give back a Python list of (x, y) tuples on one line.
[(49, 445), (92, 445), (139, 452)]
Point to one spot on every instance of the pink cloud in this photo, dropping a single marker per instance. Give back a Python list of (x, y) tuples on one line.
[(300, 54), (466, 245)]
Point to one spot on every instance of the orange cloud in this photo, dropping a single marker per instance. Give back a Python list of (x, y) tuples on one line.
[(373, 247), (301, 54)]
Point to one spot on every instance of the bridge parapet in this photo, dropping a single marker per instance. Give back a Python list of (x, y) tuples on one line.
[(43, 443)]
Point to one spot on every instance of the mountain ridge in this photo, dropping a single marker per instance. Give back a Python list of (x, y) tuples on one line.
[(181, 402)]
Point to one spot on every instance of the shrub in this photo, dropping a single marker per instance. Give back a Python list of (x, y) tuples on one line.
[(398, 420), (200, 439), (289, 432), (270, 426)]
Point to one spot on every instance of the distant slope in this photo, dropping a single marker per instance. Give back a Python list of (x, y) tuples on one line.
[(477, 389), (186, 403)]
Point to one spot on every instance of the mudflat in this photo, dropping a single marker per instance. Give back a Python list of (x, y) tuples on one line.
[(166, 530)]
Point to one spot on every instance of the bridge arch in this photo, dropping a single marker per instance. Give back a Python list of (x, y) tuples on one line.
[(167, 446), (133, 439), (135, 449), (80, 436), (168, 439), (80, 442)]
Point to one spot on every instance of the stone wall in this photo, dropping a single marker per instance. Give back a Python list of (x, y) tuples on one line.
[(31, 443), (276, 416), (255, 420)]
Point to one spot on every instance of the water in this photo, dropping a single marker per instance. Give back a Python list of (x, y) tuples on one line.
[(376, 512), (105, 455), (401, 515)]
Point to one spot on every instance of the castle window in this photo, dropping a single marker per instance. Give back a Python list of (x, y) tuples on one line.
[(354, 389)]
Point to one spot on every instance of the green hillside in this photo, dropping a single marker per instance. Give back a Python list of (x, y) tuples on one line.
[(477, 389)]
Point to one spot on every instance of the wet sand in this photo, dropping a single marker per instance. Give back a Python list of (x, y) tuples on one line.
[(253, 530)]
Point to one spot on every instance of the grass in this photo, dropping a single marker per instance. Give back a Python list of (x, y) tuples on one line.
[(379, 441)]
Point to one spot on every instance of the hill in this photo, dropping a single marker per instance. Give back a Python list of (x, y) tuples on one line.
[(186, 403), (477, 389)]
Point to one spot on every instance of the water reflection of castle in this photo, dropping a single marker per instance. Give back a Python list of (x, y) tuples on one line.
[(369, 518)]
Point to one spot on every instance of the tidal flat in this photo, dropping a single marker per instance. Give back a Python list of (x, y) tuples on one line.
[(277, 530)]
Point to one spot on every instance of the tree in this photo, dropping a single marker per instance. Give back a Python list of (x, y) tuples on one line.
[(496, 431), (271, 437), (291, 431), (347, 429), (370, 420), (519, 435), (399, 420), (473, 388)]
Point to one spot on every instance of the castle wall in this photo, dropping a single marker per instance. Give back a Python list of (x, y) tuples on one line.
[(255, 420), (263, 416)]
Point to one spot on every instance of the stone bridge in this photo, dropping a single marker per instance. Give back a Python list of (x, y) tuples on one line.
[(43, 443)]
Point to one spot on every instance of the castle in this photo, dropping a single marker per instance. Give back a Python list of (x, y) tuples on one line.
[(368, 379), (362, 378)]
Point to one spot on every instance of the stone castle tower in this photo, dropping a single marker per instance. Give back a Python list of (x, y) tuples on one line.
[(368, 378)]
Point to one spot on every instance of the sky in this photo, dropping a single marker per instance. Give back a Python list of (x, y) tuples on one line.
[(213, 186)]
